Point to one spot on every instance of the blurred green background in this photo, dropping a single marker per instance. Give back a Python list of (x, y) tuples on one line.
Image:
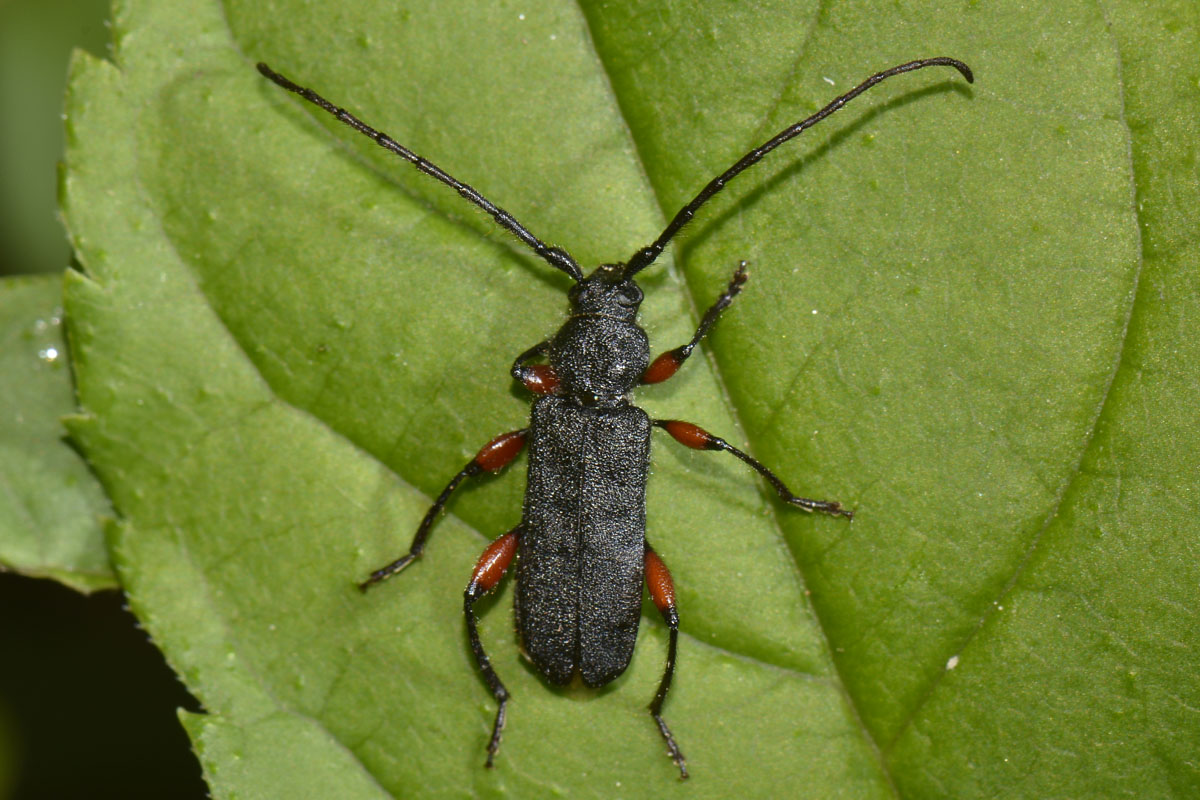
[(36, 39), (87, 705)]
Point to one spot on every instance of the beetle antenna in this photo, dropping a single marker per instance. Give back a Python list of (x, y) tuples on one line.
[(554, 256), (646, 256)]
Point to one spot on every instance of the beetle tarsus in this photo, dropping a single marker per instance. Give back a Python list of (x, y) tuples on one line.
[(662, 592), (491, 567), (831, 507), (493, 456), (697, 438), (383, 573), (669, 362), (672, 748), (497, 727)]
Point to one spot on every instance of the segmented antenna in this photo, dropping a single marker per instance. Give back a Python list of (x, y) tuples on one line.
[(554, 256), (646, 256)]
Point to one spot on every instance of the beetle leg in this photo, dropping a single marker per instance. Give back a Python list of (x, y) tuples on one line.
[(538, 378), (662, 592), (699, 439), (488, 571), (494, 456), (669, 362)]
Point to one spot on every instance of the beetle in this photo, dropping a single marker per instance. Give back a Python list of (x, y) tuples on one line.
[(581, 548)]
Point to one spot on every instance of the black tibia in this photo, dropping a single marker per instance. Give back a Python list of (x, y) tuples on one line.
[(493, 456), (731, 291), (520, 369), (662, 592), (666, 364), (418, 544), (488, 571), (697, 438)]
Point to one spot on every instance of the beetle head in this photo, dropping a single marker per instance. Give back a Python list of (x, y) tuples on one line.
[(600, 352), (607, 293)]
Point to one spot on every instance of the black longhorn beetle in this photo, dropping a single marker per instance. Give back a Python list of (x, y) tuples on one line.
[(582, 537)]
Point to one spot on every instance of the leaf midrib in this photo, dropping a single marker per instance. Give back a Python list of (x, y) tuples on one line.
[(713, 361)]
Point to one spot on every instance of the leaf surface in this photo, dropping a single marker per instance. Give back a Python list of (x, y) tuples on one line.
[(287, 342), (51, 506)]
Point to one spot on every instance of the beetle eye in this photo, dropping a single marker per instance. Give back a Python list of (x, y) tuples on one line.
[(630, 294)]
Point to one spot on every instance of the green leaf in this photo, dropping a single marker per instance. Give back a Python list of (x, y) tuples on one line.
[(1091, 648), (286, 342), (51, 506)]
